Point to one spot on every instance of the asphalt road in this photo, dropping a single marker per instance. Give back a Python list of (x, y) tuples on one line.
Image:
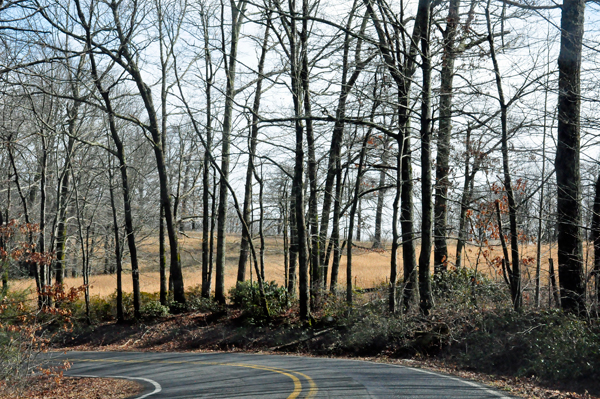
[(234, 375)]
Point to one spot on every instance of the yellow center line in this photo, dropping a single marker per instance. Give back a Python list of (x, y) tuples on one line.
[(288, 373)]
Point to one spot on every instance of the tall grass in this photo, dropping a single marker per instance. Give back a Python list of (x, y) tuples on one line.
[(369, 268)]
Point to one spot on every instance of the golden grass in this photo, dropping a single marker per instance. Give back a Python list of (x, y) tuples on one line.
[(368, 268)]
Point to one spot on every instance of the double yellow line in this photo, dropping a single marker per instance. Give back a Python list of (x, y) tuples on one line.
[(293, 375)]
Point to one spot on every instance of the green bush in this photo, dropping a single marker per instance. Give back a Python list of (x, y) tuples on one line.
[(246, 296), (466, 287), (105, 308), (200, 304), (101, 309), (153, 309), (196, 303)]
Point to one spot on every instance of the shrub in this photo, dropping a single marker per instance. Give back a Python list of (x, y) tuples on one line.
[(550, 345), (153, 309), (466, 287), (197, 303), (26, 329), (200, 304), (101, 309), (246, 296)]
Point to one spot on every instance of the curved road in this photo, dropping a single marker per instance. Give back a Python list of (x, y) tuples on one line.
[(235, 375)]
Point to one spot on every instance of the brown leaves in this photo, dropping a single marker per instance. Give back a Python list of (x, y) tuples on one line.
[(55, 386)]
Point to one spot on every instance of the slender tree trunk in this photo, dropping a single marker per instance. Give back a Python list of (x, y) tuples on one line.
[(426, 187), (313, 212), (553, 285), (206, 219), (43, 273), (237, 16), (338, 133), (440, 256), (466, 198), (261, 218), (63, 200), (117, 244), (538, 262), (379, 211), (120, 154), (335, 234), (402, 72), (515, 274), (3, 263), (568, 177), (162, 258), (286, 246), (352, 215), (164, 286), (409, 256), (23, 198), (392, 298), (293, 246), (130, 63), (241, 275)]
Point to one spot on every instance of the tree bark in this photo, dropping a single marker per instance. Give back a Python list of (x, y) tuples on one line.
[(352, 215), (423, 18), (241, 275), (63, 201), (515, 270), (237, 16), (440, 255), (118, 259), (568, 178), (206, 219)]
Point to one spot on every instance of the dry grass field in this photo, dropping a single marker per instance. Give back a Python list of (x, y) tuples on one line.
[(370, 268)]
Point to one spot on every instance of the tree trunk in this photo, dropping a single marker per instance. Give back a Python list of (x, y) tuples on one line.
[(120, 154), (128, 61), (440, 256), (206, 219), (241, 275), (352, 215), (538, 261), (162, 258), (237, 16), (515, 270), (44, 268), (402, 72), (568, 178), (338, 134), (335, 234), (379, 209), (63, 200), (423, 19), (117, 244)]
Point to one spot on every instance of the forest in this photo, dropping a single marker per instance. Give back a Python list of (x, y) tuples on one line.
[(443, 135)]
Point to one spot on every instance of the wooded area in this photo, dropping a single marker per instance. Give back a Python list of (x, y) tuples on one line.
[(416, 126)]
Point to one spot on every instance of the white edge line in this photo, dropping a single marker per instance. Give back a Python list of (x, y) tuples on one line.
[(157, 387), (461, 380)]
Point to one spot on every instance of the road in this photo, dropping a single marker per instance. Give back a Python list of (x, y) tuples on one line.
[(235, 375)]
